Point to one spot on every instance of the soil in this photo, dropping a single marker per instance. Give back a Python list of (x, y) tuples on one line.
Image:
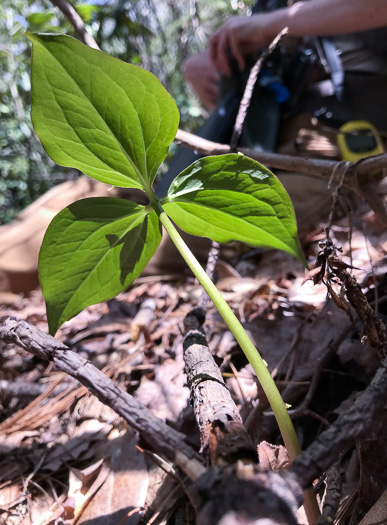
[(67, 458)]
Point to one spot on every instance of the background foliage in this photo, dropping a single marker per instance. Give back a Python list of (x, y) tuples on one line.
[(155, 34)]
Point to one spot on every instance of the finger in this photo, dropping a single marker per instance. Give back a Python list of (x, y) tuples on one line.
[(236, 51), (212, 48), (213, 76), (209, 99), (213, 91), (222, 58)]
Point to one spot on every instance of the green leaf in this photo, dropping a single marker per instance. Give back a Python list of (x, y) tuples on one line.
[(93, 250), (233, 198), (111, 120), (86, 11), (37, 20)]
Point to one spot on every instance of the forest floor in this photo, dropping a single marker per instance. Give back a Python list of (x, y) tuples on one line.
[(67, 458)]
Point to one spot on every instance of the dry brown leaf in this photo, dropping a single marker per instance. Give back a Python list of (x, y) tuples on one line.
[(79, 489), (273, 457), (8, 495), (79, 443), (126, 485)]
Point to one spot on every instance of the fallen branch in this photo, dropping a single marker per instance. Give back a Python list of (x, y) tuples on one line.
[(360, 421), (329, 263), (19, 390), (234, 491), (158, 434), (357, 176), (225, 441), (374, 329), (249, 89), (223, 436), (241, 494)]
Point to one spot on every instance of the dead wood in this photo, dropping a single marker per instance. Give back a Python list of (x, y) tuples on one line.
[(234, 490), (361, 421), (160, 436), (249, 89), (223, 436), (354, 176), (243, 494), (329, 264), (320, 340), (20, 390), (374, 329), (373, 475), (240, 492), (333, 495), (142, 320)]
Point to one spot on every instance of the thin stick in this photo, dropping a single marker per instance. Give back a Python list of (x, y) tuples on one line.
[(76, 21), (160, 436), (359, 421), (213, 256), (358, 173), (248, 93)]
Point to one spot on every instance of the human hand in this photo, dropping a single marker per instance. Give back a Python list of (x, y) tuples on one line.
[(238, 36), (203, 77)]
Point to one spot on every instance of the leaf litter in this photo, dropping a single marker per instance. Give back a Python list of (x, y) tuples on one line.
[(66, 458)]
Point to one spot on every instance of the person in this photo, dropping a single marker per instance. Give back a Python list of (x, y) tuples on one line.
[(357, 32), (239, 36)]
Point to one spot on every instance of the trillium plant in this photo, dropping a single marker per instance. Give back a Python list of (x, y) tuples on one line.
[(115, 122)]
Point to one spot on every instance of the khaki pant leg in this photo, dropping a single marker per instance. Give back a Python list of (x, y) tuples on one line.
[(310, 197), (303, 136)]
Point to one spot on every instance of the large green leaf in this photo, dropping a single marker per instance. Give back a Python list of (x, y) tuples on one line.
[(233, 198), (112, 120), (93, 250)]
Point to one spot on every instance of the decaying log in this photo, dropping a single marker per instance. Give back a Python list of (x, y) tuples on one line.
[(360, 421)]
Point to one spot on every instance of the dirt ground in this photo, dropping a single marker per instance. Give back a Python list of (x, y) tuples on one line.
[(67, 458)]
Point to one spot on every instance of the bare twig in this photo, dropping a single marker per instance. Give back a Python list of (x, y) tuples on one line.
[(18, 389), (236, 134), (374, 329), (357, 422), (160, 436), (248, 93), (76, 21), (357, 178), (329, 263), (218, 490), (224, 438), (333, 495), (212, 259)]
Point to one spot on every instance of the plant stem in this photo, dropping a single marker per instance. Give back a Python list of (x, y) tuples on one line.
[(260, 368)]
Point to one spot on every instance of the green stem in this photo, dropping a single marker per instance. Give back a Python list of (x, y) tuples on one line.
[(260, 368)]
